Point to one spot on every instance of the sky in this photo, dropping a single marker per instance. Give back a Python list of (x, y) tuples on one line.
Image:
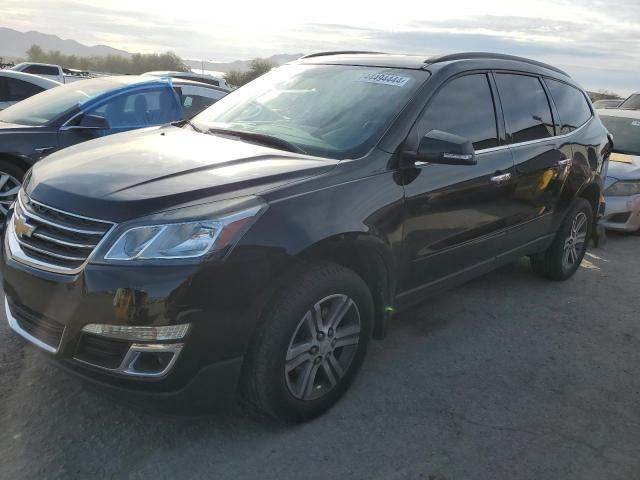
[(597, 41)]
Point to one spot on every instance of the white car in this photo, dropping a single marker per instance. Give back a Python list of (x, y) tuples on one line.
[(16, 86), (196, 77), (622, 185), (52, 72)]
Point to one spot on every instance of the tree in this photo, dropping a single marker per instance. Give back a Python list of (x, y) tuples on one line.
[(257, 68), (138, 63)]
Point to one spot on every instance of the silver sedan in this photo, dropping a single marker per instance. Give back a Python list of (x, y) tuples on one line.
[(622, 185)]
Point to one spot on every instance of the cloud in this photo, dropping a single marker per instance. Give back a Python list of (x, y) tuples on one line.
[(599, 41)]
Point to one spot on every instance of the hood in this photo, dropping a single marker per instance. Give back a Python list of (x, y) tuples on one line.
[(623, 167), (132, 174)]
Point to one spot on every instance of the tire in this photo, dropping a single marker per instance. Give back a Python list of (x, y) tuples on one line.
[(560, 263), (8, 186), (288, 345)]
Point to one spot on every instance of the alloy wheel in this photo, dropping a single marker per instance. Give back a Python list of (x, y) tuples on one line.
[(322, 347), (575, 242), (9, 187)]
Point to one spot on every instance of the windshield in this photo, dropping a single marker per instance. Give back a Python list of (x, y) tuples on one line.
[(632, 103), (337, 111), (626, 133), (51, 104)]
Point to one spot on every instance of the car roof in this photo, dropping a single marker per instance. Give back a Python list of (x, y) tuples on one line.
[(28, 77), (470, 60), (195, 83), (619, 112)]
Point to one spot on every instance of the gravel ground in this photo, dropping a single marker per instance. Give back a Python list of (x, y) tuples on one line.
[(509, 377)]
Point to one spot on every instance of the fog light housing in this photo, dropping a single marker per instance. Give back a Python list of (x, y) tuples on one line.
[(150, 360), (138, 333)]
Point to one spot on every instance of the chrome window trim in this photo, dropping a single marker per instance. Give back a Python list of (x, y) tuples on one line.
[(15, 251), (126, 366), (533, 142), (15, 326)]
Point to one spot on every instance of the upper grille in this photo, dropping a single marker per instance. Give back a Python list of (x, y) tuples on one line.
[(55, 238)]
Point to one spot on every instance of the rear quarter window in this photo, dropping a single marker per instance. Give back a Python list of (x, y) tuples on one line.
[(572, 105)]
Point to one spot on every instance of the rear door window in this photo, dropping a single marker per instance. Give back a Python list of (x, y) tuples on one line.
[(527, 113), (464, 107), (19, 89), (41, 70), (572, 105), (195, 98)]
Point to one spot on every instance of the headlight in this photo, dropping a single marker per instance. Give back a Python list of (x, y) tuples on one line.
[(183, 239), (623, 189)]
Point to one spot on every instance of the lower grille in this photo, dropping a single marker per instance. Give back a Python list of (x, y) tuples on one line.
[(102, 352), (619, 217), (39, 326), (55, 239)]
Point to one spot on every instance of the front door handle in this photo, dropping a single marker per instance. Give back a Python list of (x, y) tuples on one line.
[(500, 179), (44, 150)]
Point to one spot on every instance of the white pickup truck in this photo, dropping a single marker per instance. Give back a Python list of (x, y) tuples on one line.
[(52, 72)]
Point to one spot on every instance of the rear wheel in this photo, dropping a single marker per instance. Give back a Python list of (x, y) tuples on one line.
[(561, 260), (310, 343), (10, 182)]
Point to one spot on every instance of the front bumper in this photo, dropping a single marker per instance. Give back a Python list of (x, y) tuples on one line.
[(49, 310), (622, 213)]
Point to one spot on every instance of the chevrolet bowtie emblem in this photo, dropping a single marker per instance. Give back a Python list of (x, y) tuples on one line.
[(22, 228)]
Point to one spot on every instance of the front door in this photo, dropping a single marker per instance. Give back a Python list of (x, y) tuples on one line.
[(456, 216)]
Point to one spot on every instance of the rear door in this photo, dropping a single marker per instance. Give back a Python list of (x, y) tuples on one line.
[(455, 216), (541, 158)]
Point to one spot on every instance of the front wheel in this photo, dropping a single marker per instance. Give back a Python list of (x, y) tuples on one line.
[(310, 343), (561, 260), (10, 182)]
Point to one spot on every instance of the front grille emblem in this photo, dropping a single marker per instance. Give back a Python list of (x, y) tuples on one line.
[(23, 228)]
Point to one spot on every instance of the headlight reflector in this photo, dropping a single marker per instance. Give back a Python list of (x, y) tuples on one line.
[(623, 189), (138, 333), (191, 239)]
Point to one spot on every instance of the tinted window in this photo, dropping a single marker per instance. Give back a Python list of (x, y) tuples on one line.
[(451, 111), (572, 105), (139, 109), (195, 99), (41, 70), (19, 90), (632, 103), (526, 108), (626, 133)]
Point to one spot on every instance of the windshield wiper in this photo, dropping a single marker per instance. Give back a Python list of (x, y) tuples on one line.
[(182, 123), (260, 138)]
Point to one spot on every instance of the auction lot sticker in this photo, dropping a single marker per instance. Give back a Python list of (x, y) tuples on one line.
[(385, 79)]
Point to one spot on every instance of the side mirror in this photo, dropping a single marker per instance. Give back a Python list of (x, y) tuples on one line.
[(445, 148), (94, 121)]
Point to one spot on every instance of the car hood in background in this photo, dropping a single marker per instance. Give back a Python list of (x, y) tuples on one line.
[(623, 167), (128, 175)]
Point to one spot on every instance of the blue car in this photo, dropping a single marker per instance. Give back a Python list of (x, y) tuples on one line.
[(88, 109)]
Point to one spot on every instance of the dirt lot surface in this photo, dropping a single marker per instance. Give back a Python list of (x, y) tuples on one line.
[(509, 377)]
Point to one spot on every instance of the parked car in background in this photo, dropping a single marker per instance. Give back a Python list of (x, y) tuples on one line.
[(608, 103), (197, 77), (632, 102), (16, 86), (52, 72), (89, 109), (257, 249), (622, 185)]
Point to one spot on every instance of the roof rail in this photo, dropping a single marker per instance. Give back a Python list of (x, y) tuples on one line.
[(338, 52), (497, 56)]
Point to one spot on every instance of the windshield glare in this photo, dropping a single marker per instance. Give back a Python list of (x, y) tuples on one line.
[(632, 103), (626, 133), (44, 107), (338, 111)]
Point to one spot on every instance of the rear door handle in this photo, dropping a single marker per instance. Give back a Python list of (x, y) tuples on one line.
[(500, 179)]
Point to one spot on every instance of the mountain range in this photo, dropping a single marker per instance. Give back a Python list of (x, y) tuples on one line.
[(14, 44)]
